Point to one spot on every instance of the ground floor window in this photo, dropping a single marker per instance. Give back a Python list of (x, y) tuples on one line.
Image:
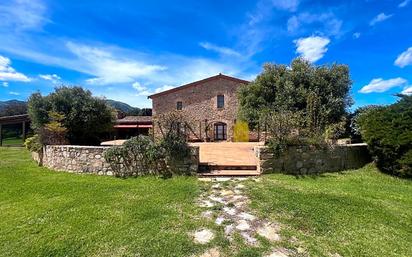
[(220, 131)]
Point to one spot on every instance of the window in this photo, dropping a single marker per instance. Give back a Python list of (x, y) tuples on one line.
[(220, 101), (179, 105)]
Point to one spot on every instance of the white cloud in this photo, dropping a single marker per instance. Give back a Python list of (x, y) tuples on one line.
[(356, 35), (379, 18), (404, 59), (7, 73), (5, 84), (407, 91), (219, 49), (54, 78), (289, 5), (14, 93), (109, 68), (380, 85), (312, 48), (144, 91), (23, 14), (326, 23), (404, 3)]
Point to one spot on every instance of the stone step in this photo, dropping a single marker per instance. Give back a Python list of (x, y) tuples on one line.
[(211, 167), (229, 173)]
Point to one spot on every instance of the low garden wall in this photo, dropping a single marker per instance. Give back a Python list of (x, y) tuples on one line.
[(304, 160), (87, 159)]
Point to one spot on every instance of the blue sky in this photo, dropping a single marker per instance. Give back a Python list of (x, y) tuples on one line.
[(126, 50)]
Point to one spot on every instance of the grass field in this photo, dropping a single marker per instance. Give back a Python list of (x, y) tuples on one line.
[(357, 213), (12, 141), (45, 213)]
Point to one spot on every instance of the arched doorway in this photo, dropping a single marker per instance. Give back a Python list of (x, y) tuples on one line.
[(220, 130)]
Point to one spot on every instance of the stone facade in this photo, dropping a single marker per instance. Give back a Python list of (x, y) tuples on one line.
[(303, 160), (199, 106), (89, 159)]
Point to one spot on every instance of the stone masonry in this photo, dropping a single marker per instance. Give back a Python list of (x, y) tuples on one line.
[(199, 105), (304, 160), (89, 159), (76, 159)]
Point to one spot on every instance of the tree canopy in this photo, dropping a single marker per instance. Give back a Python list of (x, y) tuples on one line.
[(320, 93), (84, 117)]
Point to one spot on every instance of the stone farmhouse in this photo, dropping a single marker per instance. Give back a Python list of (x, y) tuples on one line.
[(209, 105)]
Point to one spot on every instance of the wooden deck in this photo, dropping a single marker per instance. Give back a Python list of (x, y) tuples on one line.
[(227, 159)]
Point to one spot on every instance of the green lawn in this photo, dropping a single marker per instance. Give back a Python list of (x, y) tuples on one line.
[(45, 213), (12, 141), (355, 213)]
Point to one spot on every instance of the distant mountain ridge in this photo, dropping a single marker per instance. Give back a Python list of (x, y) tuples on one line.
[(120, 106)]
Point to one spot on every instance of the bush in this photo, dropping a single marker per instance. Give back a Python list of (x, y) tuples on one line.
[(241, 132), (138, 156), (142, 156), (388, 133), (33, 144)]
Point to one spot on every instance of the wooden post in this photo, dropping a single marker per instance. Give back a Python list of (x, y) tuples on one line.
[(24, 131), (1, 135)]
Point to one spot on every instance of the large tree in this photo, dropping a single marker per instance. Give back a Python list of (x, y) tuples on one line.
[(320, 93), (86, 118)]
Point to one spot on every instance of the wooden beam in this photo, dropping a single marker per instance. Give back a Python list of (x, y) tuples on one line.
[(24, 131)]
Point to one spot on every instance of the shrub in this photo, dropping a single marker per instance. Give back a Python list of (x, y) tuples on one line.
[(138, 156), (388, 133), (142, 156), (33, 144), (241, 132)]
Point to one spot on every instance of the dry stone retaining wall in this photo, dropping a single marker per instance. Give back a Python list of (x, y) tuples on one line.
[(311, 160), (89, 159)]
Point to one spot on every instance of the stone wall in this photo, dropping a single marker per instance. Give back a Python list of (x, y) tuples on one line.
[(200, 105), (89, 159), (77, 159), (311, 160)]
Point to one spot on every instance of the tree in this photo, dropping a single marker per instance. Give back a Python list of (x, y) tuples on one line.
[(86, 118), (388, 133), (320, 92), (13, 108)]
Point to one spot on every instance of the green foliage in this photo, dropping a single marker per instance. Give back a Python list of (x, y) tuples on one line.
[(33, 144), (241, 131), (320, 93), (87, 118), (136, 157), (12, 107), (388, 132)]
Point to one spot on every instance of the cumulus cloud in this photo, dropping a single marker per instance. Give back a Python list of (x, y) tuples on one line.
[(7, 73), (404, 59), (380, 85), (14, 93), (407, 91), (356, 35), (5, 84), (379, 18), (312, 48), (404, 3), (219, 49), (54, 78), (109, 68)]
